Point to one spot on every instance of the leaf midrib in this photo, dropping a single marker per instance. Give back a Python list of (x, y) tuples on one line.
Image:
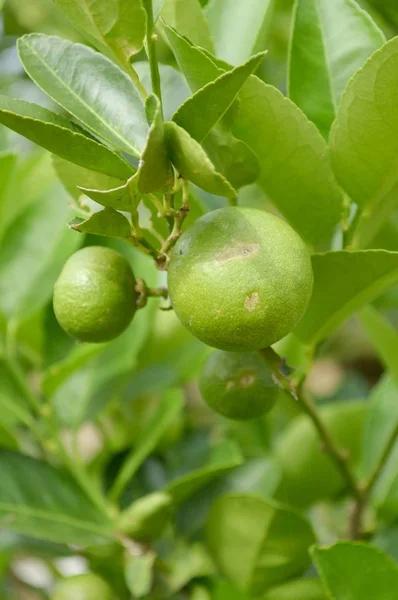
[(80, 100)]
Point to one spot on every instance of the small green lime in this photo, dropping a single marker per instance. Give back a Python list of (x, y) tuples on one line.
[(240, 279), (83, 587), (238, 385), (94, 296)]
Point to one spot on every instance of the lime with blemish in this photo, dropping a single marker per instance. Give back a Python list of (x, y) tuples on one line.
[(238, 385), (94, 296), (240, 278), (83, 587)]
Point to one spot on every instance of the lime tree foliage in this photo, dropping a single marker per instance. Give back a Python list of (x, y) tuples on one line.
[(208, 237)]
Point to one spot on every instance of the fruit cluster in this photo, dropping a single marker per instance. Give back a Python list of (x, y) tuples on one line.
[(239, 279)]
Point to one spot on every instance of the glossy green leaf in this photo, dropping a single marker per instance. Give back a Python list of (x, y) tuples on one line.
[(171, 405), (61, 514), (72, 176), (124, 197), (380, 423), (204, 109), (225, 458), (295, 169), (234, 159), (384, 337), (188, 18), (119, 24), (308, 589), (356, 279), (156, 172), (192, 162), (33, 252), (239, 27), (330, 42), (257, 544), (356, 571), (84, 83), (60, 136), (364, 139), (139, 573), (107, 222)]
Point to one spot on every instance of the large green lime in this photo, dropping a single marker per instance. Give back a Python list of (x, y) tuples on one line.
[(240, 278), (83, 587), (94, 297), (238, 385)]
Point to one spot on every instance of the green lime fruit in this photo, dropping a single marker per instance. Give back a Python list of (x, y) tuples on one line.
[(309, 475), (83, 587), (238, 385), (94, 296), (240, 278)]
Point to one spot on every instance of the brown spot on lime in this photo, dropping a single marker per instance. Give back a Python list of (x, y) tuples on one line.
[(236, 252), (229, 385), (247, 380), (251, 301)]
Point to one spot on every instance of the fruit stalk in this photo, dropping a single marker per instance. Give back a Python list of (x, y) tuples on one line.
[(337, 454), (151, 49)]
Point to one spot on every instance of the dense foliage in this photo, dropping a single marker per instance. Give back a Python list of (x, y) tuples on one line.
[(235, 161)]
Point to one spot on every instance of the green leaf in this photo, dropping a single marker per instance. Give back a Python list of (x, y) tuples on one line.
[(225, 458), (124, 197), (7, 165), (239, 28), (356, 279), (138, 573), (308, 589), (257, 544), (73, 176), (156, 172), (108, 222), (381, 421), (383, 336), (33, 251), (364, 139), (83, 82), (352, 571), (186, 563), (146, 518), (192, 162), (119, 25), (187, 17), (204, 109), (294, 161), (169, 408), (13, 406), (56, 510), (330, 42), (60, 136)]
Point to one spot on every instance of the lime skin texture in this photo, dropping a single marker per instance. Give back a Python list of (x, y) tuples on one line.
[(83, 587), (238, 385), (94, 296), (240, 279)]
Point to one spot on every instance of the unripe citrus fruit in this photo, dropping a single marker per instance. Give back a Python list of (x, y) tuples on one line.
[(94, 297), (238, 385), (240, 278), (83, 587)]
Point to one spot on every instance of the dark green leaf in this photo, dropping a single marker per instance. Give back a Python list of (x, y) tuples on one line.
[(119, 25), (192, 162), (204, 109), (187, 17), (60, 136), (356, 279), (84, 83), (356, 571), (108, 222), (155, 172), (330, 41), (295, 167), (239, 28), (257, 544), (55, 510)]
